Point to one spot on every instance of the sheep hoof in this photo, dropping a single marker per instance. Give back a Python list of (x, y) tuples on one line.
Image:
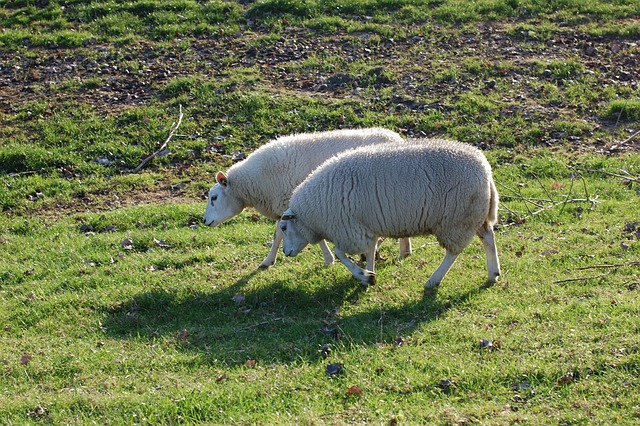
[(372, 279), (367, 277), (264, 266), (431, 284), (491, 280)]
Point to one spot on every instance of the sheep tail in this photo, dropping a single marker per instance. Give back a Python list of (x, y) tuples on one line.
[(492, 215)]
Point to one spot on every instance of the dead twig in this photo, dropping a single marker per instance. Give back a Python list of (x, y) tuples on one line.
[(544, 205), (551, 206), (626, 141), (586, 192), (520, 197), (580, 278), (628, 177), (570, 192), (618, 265), (250, 327), (544, 189), (172, 130)]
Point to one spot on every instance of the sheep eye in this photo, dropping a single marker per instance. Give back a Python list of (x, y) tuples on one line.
[(283, 227), (213, 199)]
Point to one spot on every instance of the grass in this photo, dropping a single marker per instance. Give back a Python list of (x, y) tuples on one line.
[(163, 332), (118, 306)]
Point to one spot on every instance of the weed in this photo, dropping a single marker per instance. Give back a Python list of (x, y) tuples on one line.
[(627, 110)]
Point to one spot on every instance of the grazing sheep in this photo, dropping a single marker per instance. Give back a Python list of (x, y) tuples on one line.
[(423, 187), (267, 177)]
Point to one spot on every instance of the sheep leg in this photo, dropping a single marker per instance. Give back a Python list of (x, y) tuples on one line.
[(442, 270), (489, 243), (270, 260), (365, 276), (371, 259), (326, 253), (405, 247)]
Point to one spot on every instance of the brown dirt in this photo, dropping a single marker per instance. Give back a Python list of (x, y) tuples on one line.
[(110, 77)]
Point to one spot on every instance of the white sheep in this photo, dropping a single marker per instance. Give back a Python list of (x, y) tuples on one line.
[(422, 187), (267, 177)]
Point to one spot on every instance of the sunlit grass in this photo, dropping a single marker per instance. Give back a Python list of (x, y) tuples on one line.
[(118, 306)]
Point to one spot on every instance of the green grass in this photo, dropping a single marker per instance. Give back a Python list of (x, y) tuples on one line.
[(117, 306), (162, 332)]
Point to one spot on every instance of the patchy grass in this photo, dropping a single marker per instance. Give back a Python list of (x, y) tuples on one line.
[(117, 306), (137, 315)]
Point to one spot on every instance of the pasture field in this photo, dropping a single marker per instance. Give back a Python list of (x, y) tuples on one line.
[(117, 306)]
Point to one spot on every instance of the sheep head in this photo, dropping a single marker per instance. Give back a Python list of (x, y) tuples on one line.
[(222, 203), (293, 234)]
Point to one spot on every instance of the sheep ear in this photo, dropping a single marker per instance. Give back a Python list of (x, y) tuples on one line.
[(221, 178), (288, 215)]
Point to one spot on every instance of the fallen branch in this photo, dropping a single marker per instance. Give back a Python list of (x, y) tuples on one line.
[(250, 327), (549, 207), (544, 189), (626, 141), (519, 196), (544, 205), (618, 265), (628, 177), (172, 131), (580, 279)]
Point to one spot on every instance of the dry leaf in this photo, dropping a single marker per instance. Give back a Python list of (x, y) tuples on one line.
[(354, 390), (238, 298), (333, 332), (486, 344), (86, 229), (334, 369), (251, 363), (567, 378), (550, 252), (521, 386), (161, 244), (183, 335), (446, 384), (557, 185), (25, 358), (325, 350), (38, 412), (221, 378), (127, 244)]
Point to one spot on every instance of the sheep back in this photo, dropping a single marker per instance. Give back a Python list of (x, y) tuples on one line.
[(266, 179), (438, 187)]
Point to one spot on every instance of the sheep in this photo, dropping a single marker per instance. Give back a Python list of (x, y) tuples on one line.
[(267, 177), (425, 186)]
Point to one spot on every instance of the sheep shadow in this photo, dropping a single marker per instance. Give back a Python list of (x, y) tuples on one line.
[(279, 322)]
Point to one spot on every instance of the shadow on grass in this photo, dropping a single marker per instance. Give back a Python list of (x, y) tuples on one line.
[(278, 322)]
